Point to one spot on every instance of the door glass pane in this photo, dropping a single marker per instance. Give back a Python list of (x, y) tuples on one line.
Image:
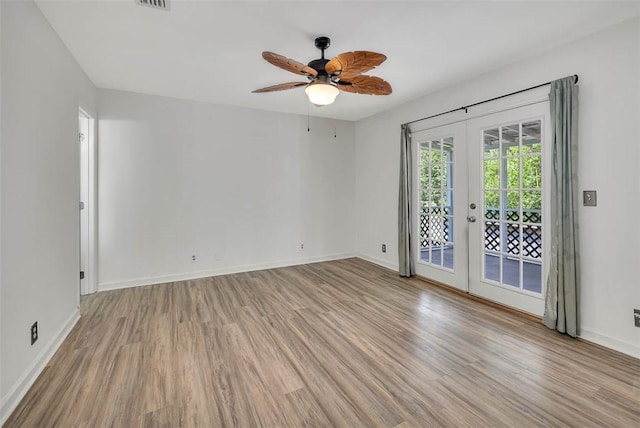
[(512, 150), (532, 276), (531, 171), (436, 202), (513, 173), (510, 137), (445, 175), (448, 209), (492, 236), (447, 260), (492, 267), (511, 271), (436, 256), (492, 204), (513, 203), (512, 198), (511, 238), (531, 136), (491, 143), (532, 241), (448, 148), (492, 174), (532, 206)]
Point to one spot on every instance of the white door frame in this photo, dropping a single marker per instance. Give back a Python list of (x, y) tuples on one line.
[(506, 295), (531, 97), (458, 277), (89, 285)]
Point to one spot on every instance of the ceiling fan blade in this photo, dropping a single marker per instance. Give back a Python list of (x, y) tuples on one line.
[(289, 64), (362, 84), (280, 87), (350, 64)]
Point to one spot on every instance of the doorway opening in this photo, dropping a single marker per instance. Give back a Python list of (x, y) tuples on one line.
[(87, 205)]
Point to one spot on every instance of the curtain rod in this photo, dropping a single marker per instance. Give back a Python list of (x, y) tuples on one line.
[(465, 108)]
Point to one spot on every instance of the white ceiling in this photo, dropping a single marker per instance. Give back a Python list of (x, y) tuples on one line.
[(211, 50)]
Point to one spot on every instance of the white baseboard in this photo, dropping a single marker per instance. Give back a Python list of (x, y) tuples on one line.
[(383, 263), (217, 272), (11, 400), (611, 343)]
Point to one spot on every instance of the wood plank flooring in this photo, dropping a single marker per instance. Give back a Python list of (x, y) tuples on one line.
[(343, 343)]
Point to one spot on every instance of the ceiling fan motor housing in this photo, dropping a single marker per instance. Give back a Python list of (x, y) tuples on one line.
[(318, 65)]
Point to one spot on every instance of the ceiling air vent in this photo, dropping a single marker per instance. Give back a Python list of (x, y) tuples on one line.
[(156, 4)]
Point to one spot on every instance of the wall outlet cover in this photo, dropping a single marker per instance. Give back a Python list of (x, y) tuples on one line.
[(589, 198), (34, 332)]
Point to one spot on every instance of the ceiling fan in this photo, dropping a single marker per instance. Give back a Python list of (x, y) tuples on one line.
[(328, 77)]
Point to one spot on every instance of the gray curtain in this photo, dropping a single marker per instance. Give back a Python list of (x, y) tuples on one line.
[(562, 301), (405, 205)]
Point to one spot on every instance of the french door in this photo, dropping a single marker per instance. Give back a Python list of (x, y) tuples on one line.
[(481, 206), (440, 204)]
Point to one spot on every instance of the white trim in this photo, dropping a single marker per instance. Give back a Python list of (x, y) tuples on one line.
[(458, 276), (17, 392), (393, 266), (2, 418), (138, 282), (91, 274), (505, 295), (610, 342)]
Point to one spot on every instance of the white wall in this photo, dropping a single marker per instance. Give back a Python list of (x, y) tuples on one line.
[(240, 188), (608, 66), (2, 417), (42, 87)]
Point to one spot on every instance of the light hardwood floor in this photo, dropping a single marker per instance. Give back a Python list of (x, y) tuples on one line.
[(342, 343)]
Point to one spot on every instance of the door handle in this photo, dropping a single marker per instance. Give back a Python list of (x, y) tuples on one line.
[(471, 219)]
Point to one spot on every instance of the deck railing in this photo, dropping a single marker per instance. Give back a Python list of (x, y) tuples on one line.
[(436, 230)]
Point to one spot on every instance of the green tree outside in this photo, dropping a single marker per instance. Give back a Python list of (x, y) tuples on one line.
[(531, 180), (433, 177), (434, 171)]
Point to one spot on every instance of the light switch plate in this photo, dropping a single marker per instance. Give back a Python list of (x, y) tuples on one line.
[(589, 198)]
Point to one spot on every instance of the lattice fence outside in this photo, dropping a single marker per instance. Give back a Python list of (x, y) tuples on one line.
[(434, 226), (531, 233), (435, 230)]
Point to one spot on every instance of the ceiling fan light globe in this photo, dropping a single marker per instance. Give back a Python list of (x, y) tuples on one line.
[(321, 93)]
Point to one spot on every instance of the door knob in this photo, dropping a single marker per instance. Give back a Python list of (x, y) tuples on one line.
[(471, 219)]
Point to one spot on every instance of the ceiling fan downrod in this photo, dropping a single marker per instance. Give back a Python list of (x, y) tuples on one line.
[(322, 43)]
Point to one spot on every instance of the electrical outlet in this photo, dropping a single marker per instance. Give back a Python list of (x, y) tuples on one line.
[(34, 333), (302, 246), (636, 317), (194, 258), (589, 198), (384, 248)]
